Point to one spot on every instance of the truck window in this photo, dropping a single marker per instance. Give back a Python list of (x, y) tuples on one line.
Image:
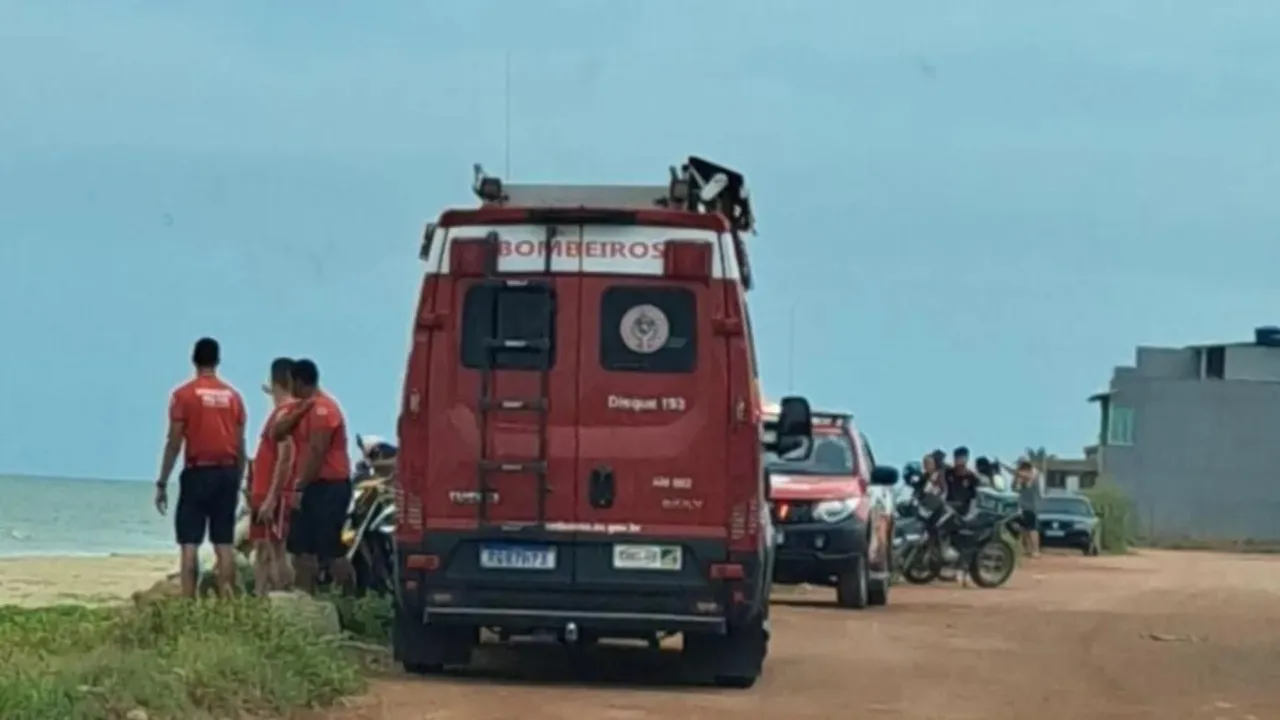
[(648, 329), (503, 313)]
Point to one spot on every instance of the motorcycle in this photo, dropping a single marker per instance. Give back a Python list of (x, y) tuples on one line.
[(369, 531), (975, 545)]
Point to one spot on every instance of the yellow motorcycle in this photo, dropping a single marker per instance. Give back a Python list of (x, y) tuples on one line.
[(369, 532)]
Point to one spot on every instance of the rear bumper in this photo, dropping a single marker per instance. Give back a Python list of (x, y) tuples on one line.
[(526, 620), (583, 589), (1075, 538), (812, 552)]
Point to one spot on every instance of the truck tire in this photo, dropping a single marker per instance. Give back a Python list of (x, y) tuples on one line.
[(424, 649), (734, 660), (853, 585)]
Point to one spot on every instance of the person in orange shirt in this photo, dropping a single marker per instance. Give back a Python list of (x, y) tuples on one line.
[(319, 434), (206, 423), (270, 489)]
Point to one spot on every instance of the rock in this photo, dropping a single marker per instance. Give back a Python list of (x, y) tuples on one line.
[(166, 589), (136, 714), (317, 615), (1164, 637)]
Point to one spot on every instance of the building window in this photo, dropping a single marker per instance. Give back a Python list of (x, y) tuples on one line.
[(1088, 480), (1055, 480), (1120, 426)]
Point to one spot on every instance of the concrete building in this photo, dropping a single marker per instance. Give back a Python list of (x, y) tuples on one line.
[(1193, 435)]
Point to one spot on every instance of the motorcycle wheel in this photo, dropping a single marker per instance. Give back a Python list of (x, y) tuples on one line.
[(992, 565), (373, 566), (920, 569)]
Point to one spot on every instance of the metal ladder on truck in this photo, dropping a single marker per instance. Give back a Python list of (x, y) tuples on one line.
[(489, 403), (699, 186)]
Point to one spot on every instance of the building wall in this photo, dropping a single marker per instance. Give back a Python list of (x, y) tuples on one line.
[(1205, 455)]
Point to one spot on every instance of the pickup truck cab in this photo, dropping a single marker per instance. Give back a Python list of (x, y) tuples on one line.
[(580, 442), (832, 513)]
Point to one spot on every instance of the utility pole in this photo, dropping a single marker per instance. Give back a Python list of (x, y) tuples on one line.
[(506, 113), (791, 351)]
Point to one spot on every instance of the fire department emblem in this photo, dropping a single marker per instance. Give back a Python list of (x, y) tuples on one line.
[(645, 329)]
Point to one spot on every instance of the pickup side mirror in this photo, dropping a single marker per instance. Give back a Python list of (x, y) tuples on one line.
[(795, 418), (884, 476)]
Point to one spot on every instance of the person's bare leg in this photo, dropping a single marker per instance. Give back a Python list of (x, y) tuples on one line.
[(225, 569), (189, 569), (1034, 537), (344, 574), (304, 573), (263, 567), (280, 571), (288, 565)]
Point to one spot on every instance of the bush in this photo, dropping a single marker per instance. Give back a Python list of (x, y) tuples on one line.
[(172, 659), (1115, 513), (368, 618)]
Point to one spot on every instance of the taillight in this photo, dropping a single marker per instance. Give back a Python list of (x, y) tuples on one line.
[(686, 260), (726, 571), (472, 257)]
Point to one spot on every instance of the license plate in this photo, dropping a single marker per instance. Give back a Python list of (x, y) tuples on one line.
[(1054, 533), (647, 557), (517, 557)]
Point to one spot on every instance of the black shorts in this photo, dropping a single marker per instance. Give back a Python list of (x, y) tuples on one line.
[(1028, 520), (315, 527), (207, 499)]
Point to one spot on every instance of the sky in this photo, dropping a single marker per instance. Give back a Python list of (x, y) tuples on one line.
[(971, 210)]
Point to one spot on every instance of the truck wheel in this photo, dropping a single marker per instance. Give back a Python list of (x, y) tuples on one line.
[(425, 649), (734, 660), (853, 585)]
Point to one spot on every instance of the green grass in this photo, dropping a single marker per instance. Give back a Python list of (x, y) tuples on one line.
[(173, 659), (1115, 512)]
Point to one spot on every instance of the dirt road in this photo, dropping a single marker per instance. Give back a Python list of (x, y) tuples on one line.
[(1156, 635)]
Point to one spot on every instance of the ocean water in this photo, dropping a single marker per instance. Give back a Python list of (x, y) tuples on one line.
[(62, 516)]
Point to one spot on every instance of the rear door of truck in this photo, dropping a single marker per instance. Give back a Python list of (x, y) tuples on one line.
[(653, 408), (502, 537)]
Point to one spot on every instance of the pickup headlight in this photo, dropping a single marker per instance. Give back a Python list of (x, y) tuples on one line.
[(833, 511)]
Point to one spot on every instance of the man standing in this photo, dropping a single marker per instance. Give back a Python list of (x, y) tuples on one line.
[(270, 487), (1027, 484), (324, 480), (206, 421), (962, 482)]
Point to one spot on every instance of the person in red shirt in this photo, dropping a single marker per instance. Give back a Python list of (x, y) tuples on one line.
[(324, 480), (270, 489), (206, 424)]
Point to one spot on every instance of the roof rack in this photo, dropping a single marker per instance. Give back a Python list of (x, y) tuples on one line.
[(698, 186)]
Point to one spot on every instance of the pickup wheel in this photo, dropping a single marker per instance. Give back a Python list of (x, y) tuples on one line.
[(853, 586)]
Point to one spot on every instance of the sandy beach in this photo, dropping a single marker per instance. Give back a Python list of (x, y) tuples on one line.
[(36, 581)]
